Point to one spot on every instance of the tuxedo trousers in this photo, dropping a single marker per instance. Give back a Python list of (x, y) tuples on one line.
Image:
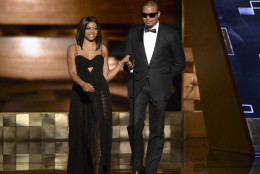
[(135, 128)]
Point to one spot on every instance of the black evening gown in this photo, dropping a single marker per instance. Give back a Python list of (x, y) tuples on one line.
[(90, 121)]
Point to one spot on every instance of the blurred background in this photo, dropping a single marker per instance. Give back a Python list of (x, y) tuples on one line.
[(34, 36)]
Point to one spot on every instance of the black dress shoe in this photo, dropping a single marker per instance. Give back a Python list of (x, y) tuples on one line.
[(139, 172)]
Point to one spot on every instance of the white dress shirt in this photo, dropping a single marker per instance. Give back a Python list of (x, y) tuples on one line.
[(149, 42)]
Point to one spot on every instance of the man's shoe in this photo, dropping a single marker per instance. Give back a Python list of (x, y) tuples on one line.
[(139, 172)]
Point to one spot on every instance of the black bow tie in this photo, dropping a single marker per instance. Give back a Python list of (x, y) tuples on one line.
[(149, 30)]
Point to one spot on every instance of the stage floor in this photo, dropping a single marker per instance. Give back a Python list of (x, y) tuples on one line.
[(191, 156)]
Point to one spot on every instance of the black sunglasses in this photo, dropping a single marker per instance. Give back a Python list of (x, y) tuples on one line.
[(151, 15)]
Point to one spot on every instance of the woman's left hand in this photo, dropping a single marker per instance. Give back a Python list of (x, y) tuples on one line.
[(125, 59)]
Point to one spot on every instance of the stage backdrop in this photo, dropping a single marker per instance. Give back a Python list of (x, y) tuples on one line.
[(34, 36), (239, 21)]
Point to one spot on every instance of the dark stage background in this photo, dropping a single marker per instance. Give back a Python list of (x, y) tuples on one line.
[(34, 36), (239, 21)]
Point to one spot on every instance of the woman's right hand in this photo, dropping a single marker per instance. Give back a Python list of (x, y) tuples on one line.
[(87, 87)]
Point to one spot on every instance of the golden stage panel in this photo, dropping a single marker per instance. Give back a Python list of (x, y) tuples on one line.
[(69, 12)]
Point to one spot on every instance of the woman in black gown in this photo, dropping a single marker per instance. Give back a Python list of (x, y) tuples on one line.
[(90, 113)]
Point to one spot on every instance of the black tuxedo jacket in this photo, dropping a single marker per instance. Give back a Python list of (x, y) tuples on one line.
[(167, 61)]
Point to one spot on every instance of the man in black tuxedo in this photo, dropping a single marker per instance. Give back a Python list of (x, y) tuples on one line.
[(158, 56)]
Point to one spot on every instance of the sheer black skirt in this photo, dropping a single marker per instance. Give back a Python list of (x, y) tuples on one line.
[(90, 131)]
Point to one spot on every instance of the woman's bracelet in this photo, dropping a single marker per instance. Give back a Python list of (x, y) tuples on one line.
[(122, 66)]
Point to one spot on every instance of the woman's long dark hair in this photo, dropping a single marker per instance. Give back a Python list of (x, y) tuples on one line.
[(81, 31)]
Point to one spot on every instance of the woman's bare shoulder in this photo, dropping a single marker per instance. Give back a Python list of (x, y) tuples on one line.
[(72, 47), (104, 47), (71, 51)]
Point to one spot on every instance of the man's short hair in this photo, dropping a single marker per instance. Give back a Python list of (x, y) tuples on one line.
[(151, 3)]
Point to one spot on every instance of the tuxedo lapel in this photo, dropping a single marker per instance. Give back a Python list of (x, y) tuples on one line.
[(156, 47), (141, 45)]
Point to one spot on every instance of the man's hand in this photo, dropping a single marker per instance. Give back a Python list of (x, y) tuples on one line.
[(130, 65)]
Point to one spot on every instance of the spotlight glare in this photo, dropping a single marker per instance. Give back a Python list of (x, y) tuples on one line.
[(30, 45)]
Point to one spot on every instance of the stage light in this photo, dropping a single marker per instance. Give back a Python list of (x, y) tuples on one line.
[(30, 45)]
